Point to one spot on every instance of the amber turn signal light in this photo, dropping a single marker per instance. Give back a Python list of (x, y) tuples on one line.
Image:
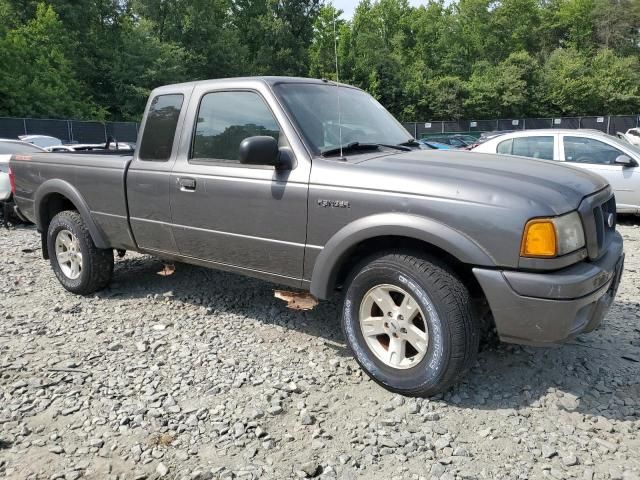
[(539, 239)]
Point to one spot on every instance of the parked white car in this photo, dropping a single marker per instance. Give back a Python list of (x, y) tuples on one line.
[(614, 159), (632, 136)]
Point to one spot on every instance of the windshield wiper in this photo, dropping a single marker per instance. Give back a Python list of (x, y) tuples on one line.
[(351, 146)]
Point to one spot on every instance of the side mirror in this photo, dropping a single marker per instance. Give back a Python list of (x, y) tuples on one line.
[(260, 150), (625, 161)]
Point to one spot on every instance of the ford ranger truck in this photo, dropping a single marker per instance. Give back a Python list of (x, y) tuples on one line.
[(315, 186)]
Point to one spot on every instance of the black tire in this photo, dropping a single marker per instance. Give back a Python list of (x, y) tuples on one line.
[(97, 263), (453, 332)]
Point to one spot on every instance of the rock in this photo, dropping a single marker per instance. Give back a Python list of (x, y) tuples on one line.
[(442, 443), (96, 442), (460, 452), (569, 402), (162, 469), (570, 460), (311, 469), (437, 470), (307, 419), (548, 451), (182, 455)]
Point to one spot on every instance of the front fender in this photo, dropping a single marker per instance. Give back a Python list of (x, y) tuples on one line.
[(61, 187), (340, 245)]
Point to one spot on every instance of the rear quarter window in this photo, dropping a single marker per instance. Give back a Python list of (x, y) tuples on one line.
[(504, 147), (160, 128)]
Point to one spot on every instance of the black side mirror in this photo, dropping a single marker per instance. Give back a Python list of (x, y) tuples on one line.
[(625, 161), (261, 150)]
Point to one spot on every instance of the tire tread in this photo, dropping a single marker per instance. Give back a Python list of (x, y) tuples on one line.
[(436, 277)]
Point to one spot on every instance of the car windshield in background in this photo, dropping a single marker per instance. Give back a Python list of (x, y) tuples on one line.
[(314, 108), (42, 140), (12, 148)]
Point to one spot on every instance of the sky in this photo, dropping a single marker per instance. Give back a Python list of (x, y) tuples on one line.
[(348, 6)]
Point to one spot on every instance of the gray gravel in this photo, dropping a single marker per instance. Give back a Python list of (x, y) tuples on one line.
[(203, 375)]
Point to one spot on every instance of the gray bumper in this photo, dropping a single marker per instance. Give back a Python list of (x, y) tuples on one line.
[(547, 308)]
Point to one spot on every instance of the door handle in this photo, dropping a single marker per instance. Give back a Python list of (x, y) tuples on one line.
[(187, 184)]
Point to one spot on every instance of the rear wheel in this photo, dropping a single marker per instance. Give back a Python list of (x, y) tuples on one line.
[(80, 266), (408, 320)]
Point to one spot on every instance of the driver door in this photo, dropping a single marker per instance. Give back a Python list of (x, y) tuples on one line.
[(247, 218)]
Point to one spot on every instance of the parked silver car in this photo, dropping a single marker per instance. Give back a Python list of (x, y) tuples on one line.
[(610, 157)]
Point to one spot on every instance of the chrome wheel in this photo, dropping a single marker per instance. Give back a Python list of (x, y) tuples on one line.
[(68, 254), (394, 326)]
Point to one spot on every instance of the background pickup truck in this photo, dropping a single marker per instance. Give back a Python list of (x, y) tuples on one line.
[(314, 185)]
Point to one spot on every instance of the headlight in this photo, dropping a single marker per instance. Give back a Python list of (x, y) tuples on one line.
[(552, 237)]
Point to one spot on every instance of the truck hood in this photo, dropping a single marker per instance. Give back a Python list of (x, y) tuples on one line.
[(495, 180)]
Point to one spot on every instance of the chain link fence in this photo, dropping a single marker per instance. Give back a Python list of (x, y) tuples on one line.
[(69, 131), (610, 124)]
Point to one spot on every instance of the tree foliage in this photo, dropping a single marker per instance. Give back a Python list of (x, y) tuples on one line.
[(99, 59)]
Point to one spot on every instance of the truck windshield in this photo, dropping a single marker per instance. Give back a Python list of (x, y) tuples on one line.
[(314, 108)]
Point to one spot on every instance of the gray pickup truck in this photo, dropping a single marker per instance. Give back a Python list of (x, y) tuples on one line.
[(315, 186)]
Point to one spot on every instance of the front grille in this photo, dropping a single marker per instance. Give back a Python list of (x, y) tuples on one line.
[(605, 218), (599, 218)]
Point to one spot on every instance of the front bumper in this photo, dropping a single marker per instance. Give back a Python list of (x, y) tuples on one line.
[(549, 308)]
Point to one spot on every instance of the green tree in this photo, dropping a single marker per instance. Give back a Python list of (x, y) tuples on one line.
[(276, 33), (37, 78), (326, 32), (565, 86), (505, 90), (617, 24), (446, 97), (614, 83)]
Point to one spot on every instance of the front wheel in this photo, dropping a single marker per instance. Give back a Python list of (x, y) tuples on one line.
[(409, 322), (80, 266)]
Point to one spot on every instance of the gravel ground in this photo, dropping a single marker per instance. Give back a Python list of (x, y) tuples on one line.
[(204, 374)]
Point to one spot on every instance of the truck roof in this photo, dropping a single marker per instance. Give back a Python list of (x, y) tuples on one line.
[(269, 80)]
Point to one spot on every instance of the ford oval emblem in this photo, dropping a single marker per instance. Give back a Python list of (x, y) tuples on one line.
[(610, 220)]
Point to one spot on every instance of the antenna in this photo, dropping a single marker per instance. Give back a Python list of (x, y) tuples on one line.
[(335, 53)]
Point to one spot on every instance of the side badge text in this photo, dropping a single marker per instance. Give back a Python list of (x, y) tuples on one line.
[(334, 203)]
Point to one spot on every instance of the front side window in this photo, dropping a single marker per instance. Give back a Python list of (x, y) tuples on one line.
[(533, 147), (225, 119), (160, 129), (588, 150)]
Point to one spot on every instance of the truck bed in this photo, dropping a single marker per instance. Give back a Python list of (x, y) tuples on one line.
[(105, 200)]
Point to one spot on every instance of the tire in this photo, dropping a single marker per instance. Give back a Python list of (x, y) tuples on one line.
[(96, 265), (443, 328)]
